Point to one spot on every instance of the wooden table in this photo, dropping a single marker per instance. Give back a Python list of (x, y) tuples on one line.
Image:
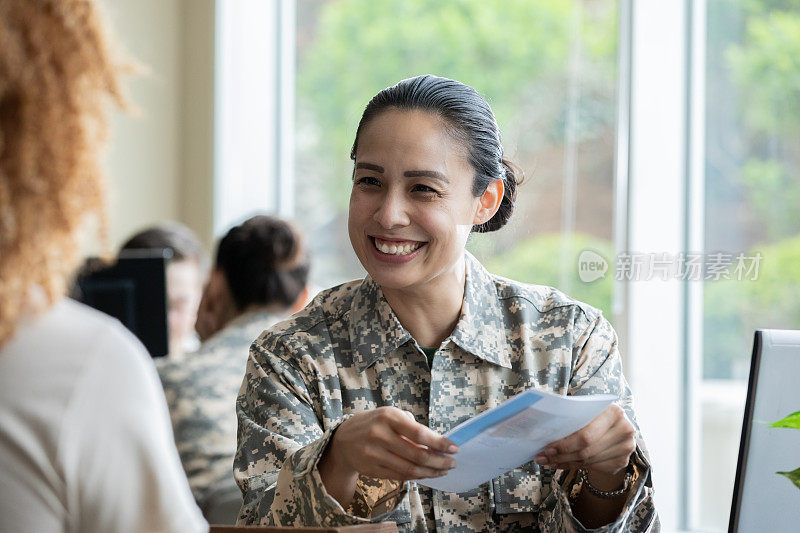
[(382, 527)]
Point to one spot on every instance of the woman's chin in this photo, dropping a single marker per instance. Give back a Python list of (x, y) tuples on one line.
[(390, 280)]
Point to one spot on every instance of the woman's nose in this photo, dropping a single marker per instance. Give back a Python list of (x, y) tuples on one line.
[(391, 212)]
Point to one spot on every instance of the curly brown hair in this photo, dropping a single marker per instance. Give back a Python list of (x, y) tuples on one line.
[(57, 78)]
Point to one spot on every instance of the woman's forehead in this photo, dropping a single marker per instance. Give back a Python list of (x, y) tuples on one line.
[(413, 137)]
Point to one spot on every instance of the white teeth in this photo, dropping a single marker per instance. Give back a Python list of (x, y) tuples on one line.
[(394, 249)]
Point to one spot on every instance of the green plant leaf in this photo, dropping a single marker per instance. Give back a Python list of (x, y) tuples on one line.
[(793, 476), (791, 421)]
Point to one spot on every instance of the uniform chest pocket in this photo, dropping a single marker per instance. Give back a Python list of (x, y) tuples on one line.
[(520, 490)]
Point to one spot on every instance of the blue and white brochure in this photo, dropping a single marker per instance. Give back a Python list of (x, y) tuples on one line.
[(512, 434)]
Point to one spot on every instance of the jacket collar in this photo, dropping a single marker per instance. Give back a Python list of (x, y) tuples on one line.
[(481, 329), (375, 330)]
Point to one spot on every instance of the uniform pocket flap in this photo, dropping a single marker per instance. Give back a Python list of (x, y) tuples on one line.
[(520, 490)]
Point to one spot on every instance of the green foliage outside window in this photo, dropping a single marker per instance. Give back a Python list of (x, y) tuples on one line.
[(762, 67), (537, 260), (733, 309), (514, 52), (517, 54)]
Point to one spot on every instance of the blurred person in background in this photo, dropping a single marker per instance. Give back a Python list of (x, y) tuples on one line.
[(85, 439), (185, 275), (259, 278)]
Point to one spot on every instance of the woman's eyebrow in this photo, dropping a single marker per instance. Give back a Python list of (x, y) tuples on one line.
[(429, 173), (370, 166), (408, 173)]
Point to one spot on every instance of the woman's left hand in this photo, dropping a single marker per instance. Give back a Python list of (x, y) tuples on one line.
[(603, 446)]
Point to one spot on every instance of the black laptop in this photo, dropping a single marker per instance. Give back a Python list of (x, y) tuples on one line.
[(766, 496), (132, 290)]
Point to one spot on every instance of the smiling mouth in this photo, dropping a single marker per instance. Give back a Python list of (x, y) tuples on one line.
[(396, 248)]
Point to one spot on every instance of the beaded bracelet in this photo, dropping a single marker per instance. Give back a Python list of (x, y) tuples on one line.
[(583, 481)]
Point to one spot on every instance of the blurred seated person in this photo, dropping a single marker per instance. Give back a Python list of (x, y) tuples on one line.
[(85, 439), (185, 276), (258, 279)]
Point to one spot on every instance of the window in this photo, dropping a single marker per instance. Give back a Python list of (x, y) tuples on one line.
[(643, 127), (752, 182)]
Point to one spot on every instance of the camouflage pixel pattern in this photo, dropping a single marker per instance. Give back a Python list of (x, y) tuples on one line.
[(201, 391), (347, 352)]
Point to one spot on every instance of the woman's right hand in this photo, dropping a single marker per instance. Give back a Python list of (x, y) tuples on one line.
[(384, 443)]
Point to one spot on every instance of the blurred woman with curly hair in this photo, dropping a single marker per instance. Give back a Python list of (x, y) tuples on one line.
[(85, 438)]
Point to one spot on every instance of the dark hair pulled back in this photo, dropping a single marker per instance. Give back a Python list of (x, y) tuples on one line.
[(263, 262), (471, 121)]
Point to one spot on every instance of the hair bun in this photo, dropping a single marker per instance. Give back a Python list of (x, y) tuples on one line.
[(264, 262)]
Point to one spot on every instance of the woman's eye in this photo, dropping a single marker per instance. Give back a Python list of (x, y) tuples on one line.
[(368, 180), (424, 189)]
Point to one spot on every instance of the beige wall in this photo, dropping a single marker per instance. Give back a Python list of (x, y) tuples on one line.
[(160, 159), (196, 185)]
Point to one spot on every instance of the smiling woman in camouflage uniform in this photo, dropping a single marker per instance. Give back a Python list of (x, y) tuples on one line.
[(343, 406)]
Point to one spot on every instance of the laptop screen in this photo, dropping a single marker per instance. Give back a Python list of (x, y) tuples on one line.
[(767, 491), (132, 290)]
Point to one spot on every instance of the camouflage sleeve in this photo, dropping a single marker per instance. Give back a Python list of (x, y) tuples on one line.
[(301, 499), (182, 409), (280, 442), (276, 419), (597, 369)]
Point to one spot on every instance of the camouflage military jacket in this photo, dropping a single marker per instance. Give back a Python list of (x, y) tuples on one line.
[(201, 391), (347, 352)]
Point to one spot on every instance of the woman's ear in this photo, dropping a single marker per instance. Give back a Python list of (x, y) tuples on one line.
[(489, 202), (301, 301), (217, 307)]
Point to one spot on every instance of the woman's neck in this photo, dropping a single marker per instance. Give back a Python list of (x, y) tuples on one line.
[(431, 312)]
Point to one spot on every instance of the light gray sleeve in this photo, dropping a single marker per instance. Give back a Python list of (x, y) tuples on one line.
[(122, 471)]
